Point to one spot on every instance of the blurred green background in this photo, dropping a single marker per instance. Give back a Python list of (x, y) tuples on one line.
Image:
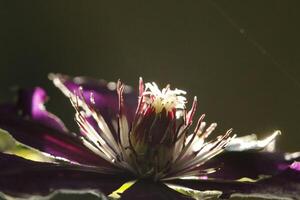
[(212, 49)]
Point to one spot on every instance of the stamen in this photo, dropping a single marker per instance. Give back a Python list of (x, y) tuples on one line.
[(141, 87), (191, 113)]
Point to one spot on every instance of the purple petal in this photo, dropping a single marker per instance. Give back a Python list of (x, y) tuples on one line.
[(105, 94), (148, 190), (285, 184), (236, 165), (49, 140), (29, 123), (295, 166), (31, 103), (20, 177)]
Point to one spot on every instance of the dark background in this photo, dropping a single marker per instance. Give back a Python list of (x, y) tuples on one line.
[(241, 58)]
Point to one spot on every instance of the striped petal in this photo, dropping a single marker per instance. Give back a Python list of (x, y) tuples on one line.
[(254, 165), (148, 190), (284, 185), (25, 178)]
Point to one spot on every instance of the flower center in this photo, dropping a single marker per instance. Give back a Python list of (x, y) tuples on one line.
[(163, 99), (158, 143)]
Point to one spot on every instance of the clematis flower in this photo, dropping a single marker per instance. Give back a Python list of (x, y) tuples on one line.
[(146, 145)]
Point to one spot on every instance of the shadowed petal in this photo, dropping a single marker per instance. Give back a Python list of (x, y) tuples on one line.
[(283, 185), (20, 177), (104, 94), (149, 190), (236, 165), (250, 142)]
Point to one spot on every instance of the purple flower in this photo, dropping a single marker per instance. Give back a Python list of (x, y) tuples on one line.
[(148, 144)]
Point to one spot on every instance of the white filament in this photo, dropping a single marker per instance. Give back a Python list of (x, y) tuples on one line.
[(165, 98)]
